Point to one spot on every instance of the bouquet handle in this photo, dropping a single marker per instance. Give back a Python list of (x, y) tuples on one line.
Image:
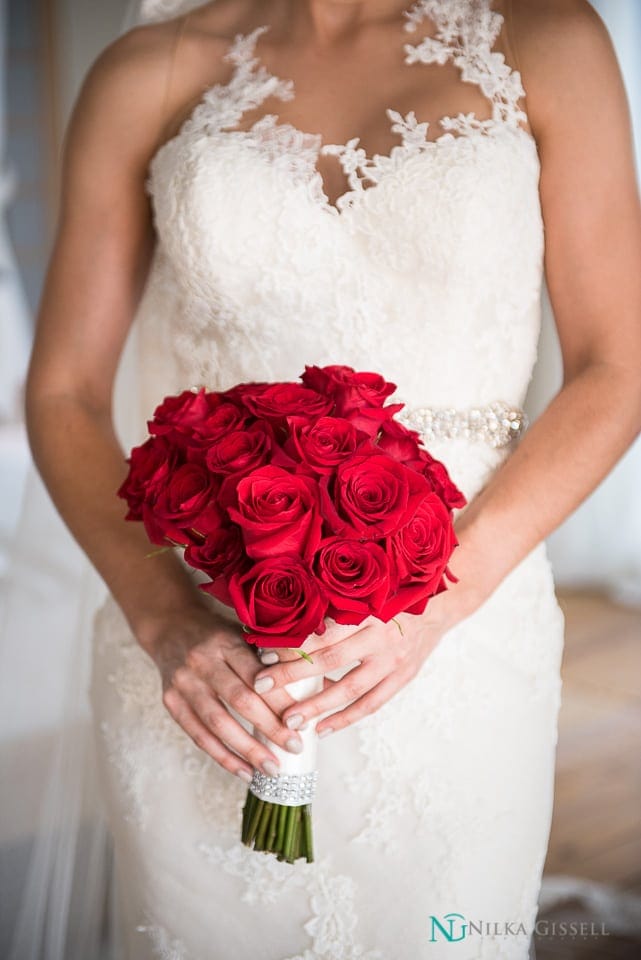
[(277, 812)]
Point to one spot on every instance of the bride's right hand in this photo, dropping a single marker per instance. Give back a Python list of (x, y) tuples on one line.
[(206, 664)]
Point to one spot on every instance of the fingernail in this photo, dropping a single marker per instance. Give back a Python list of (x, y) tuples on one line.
[(294, 721), (263, 685), (325, 732), (244, 775), (270, 768), (294, 745), (268, 658)]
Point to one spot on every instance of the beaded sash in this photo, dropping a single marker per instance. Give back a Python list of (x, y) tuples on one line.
[(496, 423)]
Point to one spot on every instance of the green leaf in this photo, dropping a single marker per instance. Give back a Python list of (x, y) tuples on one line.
[(155, 553)]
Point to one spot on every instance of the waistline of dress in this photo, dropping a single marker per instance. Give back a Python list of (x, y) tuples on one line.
[(497, 424)]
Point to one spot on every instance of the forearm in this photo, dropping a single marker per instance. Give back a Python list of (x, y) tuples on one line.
[(560, 460), (82, 464)]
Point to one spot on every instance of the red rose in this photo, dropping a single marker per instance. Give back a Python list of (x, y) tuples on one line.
[(180, 413), (220, 421), (279, 600), (371, 496), (323, 444), (278, 512), (371, 419), (150, 467), (439, 480), (211, 519), (398, 441), (241, 450), (419, 553), (237, 394), (443, 485), (281, 400), (349, 389), (187, 495), (356, 577), (221, 552), (422, 548)]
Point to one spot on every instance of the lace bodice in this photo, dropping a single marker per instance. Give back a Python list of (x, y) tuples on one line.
[(427, 268)]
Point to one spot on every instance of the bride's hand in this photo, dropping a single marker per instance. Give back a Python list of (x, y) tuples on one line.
[(383, 658), (205, 663)]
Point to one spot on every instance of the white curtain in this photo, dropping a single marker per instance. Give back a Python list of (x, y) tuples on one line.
[(600, 544)]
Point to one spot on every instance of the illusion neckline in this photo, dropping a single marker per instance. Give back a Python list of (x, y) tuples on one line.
[(249, 67)]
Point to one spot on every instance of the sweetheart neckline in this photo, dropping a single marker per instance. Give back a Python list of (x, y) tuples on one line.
[(347, 201)]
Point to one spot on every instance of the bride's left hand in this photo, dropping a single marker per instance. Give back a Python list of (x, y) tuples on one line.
[(385, 657)]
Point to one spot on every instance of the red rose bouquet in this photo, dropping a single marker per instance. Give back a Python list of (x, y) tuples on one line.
[(299, 501)]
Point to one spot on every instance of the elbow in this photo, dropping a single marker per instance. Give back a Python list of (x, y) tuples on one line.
[(616, 385), (54, 405)]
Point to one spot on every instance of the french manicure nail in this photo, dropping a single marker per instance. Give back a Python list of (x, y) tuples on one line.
[(270, 768), (325, 732), (294, 721), (271, 657), (244, 775), (263, 685), (294, 745)]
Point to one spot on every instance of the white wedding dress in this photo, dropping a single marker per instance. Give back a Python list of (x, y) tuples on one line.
[(428, 269)]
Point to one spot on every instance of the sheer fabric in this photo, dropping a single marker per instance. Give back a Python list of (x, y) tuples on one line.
[(62, 909), (66, 908)]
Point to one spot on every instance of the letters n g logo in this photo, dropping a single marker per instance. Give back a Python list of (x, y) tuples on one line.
[(448, 926)]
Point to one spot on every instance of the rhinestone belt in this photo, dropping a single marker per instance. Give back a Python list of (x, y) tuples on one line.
[(497, 423)]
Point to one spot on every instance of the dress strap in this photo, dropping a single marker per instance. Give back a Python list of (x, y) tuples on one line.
[(465, 33), (249, 85)]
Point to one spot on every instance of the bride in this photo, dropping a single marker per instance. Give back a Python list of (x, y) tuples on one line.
[(264, 185)]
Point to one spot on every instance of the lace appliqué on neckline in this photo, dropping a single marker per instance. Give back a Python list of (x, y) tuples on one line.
[(465, 31)]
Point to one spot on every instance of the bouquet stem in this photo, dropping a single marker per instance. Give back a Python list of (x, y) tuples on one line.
[(275, 828), (283, 825)]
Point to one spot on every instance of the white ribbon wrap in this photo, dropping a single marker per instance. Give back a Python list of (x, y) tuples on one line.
[(296, 782)]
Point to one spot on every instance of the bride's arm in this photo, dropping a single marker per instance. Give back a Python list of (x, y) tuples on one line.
[(98, 267), (592, 216), (579, 114), (99, 264)]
